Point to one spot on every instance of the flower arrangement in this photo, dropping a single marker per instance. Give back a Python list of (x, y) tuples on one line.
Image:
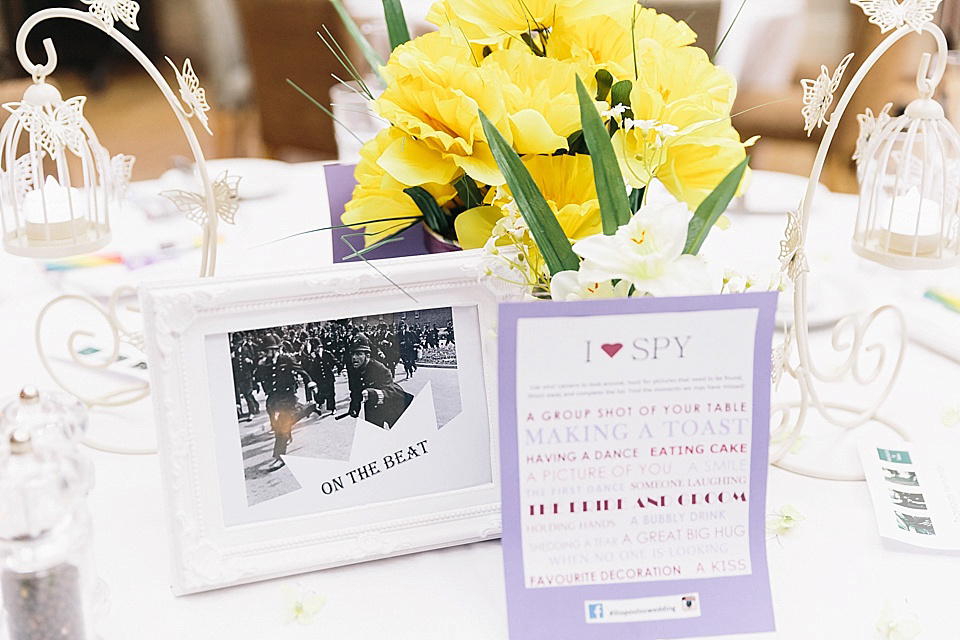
[(534, 128)]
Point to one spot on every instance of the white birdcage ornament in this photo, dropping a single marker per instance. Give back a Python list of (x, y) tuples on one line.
[(909, 173), (58, 183)]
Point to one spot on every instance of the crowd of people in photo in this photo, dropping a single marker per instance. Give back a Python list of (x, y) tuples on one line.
[(279, 362)]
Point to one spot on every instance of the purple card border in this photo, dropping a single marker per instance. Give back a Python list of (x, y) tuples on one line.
[(737, 604)]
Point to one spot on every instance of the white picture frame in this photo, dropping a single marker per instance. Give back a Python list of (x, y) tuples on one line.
[(216, 542)]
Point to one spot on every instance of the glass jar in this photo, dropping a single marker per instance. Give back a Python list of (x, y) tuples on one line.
[(48, 584), (52, 418)]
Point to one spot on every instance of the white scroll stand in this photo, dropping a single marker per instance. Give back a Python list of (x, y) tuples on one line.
[(850, 335), (206, 206)]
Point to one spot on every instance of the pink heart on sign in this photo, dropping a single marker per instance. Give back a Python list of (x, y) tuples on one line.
[(612, 349)]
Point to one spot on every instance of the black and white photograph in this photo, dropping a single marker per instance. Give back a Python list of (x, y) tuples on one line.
[(917, 524), (338, 412), (908, 500), (301, 389), (905, 478)]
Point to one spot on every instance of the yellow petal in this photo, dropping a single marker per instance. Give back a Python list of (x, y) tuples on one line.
[(412, 163), (474, 226), (532, 134), (481, 166)]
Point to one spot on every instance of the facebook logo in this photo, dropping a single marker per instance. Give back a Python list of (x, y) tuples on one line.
[(595, 611)]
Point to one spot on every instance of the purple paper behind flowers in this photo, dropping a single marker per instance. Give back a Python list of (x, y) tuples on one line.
[(556, 611), (340, 184)]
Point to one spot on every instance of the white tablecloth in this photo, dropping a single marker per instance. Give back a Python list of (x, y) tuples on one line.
[(829, 576)]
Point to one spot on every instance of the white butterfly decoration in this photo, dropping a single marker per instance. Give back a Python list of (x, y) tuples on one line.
[(892, 628), (194, 204), (869, 125), (109, 11), (783, 519), (893, 14), (121, 171), (793, 260), (781, 358), (53, 128), (818, 95), (192, 94)]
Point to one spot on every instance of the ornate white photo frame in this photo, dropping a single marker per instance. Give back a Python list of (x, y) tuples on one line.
[(227, 525)]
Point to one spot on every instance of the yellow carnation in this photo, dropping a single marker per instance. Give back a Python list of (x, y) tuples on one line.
[(499, 23), (541, 98), (682, 133), (434, 92), (566, 183), (379, 206), (612, 43)]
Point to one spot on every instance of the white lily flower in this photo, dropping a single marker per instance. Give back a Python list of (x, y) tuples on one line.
[(648, 253), (567, 285)]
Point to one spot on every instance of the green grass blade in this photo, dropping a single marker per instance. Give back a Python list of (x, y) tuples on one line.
[(468, 191), (396, 23), (373, 59), (546, 230), (713, 207), (729, 29), (435, 217), (614, 206)]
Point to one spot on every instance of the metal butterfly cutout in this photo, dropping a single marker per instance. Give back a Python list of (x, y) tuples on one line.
[(194, 206), (54, 127), (109, 11), (893, 14), (818, 95), (793, 260)]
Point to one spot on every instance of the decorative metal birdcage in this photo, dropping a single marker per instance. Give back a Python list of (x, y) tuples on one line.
[(908, 218), (59, 185), (909, 173)]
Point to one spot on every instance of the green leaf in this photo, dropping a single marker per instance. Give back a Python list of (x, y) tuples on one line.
[(575, 143), (433, 215), (620, 94), (614, 207), (544, 226), (713, 207), (396, 23), (373, 59), (468, 191), (604, 82), (636, 199)]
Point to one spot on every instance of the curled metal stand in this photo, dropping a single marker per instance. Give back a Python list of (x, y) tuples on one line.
[(207, 206), (871, 359)]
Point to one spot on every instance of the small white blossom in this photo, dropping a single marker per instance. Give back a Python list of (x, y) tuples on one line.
[(667, 130), (567, 285), (616, 112)]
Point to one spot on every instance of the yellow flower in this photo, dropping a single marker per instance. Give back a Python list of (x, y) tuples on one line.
[(566, 183), (540, 96), (434, 92), (499, 23), (681, 132), (379, 204), (611, 43)]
